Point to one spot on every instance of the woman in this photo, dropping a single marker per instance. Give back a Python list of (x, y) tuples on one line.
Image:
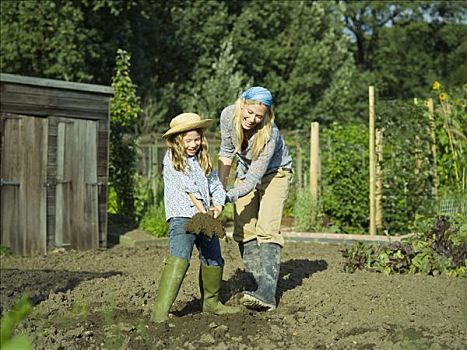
[(264, 172)]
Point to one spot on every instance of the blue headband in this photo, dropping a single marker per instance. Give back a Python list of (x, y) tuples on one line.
[(260, 94)]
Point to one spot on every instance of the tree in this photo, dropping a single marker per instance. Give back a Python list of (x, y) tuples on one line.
[(46, 39), (402, 47), (125, 108), (298, 50), (365, 19), (224, 84)]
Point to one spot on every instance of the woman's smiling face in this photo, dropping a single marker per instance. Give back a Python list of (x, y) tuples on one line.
[(252, 115)]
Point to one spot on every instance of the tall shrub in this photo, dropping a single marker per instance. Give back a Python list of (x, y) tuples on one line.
[(407, 167), (125, 108), (344, 173)]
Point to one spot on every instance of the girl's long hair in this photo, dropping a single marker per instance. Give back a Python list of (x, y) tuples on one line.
[(177, 149), (263, 130)]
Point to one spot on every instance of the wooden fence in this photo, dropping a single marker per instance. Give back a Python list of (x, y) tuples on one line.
[(307, 175)]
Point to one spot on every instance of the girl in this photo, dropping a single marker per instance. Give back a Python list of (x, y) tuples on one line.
[(189, 183), (264, 172)]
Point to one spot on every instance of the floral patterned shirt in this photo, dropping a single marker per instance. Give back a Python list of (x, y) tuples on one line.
[(274, 155), (177, 185)]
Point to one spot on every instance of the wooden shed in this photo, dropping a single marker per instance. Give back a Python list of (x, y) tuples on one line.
[(54, 164)]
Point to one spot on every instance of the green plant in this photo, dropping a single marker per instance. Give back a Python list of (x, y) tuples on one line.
[(4, 250), (289, 207), (441, 250), (113, 337), (10, 320), (450, 116), (112, 206), (344, 174), (407, 171), (227, 214), (306, 212), (154, 221), (124, 111), (148, 192), (77, 313)]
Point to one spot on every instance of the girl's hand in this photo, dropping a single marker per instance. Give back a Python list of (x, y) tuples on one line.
[(216, 211), (198, 204)]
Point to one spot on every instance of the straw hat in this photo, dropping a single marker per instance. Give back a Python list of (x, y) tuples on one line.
[(186, 122)]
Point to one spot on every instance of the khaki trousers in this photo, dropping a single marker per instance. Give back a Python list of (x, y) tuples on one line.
[(258, 215)]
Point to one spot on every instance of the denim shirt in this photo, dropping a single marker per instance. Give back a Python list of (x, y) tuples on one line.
[(177, 185), (274, 155)]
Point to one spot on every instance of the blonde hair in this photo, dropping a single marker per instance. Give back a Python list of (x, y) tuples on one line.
[(263, 130), (177, 148)]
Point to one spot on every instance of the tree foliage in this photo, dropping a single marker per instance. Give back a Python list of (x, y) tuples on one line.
[(403, 46), (208, 97), (298, 50), (316, 57), (125, 108), (47, 39)]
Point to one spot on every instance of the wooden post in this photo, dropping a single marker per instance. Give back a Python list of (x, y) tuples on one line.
[(371, 112), (379, 179), (299, 164), (418, 158), (431, 118), (314, 160), (155, 170), (142, 164), (148, 171)]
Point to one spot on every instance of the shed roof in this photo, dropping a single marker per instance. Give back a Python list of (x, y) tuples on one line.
[(59, 84)]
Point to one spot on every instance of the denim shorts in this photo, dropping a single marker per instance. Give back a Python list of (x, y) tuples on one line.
[(181, 244)]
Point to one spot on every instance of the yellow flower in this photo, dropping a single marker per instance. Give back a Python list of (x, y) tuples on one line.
[(436, 85), (443, 96)]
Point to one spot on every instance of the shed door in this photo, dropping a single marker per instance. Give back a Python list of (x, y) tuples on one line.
[(23, 184), (76, 220)]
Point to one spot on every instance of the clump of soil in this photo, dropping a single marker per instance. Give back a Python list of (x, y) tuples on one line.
[(103, 300), (204, 223)]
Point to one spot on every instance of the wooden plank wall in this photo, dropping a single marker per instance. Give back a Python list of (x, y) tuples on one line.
[(55, 103), (78, 166), (51, 181), (47, 101), (23, 204), (103, 133), (102, 138)]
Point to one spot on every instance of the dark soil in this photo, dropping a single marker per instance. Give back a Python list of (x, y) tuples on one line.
[(206, 224), (103, 299)]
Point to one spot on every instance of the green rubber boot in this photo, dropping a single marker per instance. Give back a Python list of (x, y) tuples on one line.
[(169, 285), (211, 277)]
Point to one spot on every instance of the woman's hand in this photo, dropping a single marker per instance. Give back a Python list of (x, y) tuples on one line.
[(216, 211)]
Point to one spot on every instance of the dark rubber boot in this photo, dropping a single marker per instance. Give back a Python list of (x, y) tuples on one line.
[(211, 285), (249, 252), (169, 285), (264, 298)]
